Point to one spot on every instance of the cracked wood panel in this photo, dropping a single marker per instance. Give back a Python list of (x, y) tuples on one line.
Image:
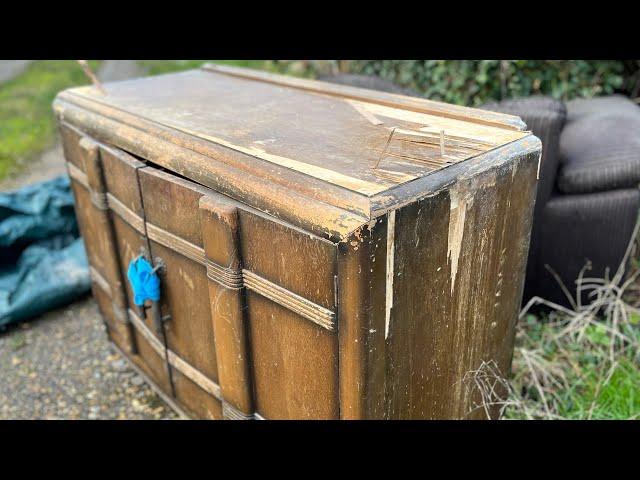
[(422, 105), (323, 209)]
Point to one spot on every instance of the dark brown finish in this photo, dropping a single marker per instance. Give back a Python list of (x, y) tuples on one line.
[(362, 296), (324, 252), (466, 313)]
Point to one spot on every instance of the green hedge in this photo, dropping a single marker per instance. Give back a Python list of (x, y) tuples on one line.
[(473, 82)]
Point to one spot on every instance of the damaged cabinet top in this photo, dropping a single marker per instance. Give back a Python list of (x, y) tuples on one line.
[(269, 140)]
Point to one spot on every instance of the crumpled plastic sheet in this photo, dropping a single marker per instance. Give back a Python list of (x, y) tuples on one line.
[(43, 264)]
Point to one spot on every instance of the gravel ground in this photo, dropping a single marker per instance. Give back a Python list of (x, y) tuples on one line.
[(61, 365)]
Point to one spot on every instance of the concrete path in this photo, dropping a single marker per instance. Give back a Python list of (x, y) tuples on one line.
[(51, 163), (10, 69), (116, 70), (61, 365)]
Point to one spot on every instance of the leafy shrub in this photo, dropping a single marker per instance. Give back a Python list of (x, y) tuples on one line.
[(473, 82)]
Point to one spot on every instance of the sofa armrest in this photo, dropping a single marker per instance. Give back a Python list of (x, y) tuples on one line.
[(545, 117)]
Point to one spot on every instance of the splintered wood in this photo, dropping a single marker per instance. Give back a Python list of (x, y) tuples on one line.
[(431, 141)]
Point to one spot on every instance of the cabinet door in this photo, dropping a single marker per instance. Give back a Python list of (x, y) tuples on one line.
[(290, 287), (121, 172), (84, 166), (110, 214), (172, 216), (250, 303)]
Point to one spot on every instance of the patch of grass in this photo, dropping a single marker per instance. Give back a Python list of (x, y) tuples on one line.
[(27, 124), (596, 397), (578, 362), (296, 68), (570, 378)]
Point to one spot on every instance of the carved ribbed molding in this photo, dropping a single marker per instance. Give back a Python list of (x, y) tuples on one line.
[(229, 412), (125, 213), (300, 305), (225, 276), (78, 175), (100, 281), (176, 243), (99, 200)]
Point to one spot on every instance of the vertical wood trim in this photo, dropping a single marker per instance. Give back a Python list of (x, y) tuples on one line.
[(361, 322), (98, 190), (219, 222)]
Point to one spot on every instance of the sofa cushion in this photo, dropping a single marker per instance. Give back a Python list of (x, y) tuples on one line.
[(520, 106), (607, 105), (600, 146)]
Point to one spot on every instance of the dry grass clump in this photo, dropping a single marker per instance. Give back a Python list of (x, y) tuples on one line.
[(578, 362)]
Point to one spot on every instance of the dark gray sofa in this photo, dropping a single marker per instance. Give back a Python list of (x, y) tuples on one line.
[(588, 197)]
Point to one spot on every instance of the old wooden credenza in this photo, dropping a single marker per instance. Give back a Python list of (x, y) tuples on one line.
[(324, 251)]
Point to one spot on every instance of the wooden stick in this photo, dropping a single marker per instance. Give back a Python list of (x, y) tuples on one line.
[(385, 147), (92, 76)]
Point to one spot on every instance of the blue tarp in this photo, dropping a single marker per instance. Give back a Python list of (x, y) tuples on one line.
[(43, 264)]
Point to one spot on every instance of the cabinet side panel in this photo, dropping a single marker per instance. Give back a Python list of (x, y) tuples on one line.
[(458, 273)]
